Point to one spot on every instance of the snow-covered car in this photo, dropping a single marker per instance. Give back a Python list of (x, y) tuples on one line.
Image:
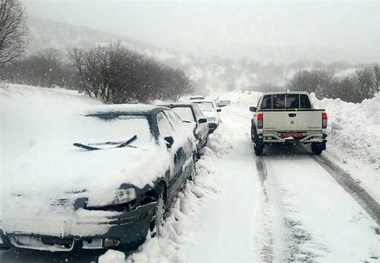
[(223, 103), (191, 97), (101, 180), (211, 111), (193, 117)]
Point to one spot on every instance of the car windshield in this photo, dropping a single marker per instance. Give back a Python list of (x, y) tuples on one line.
[(111, 130), (185, 113), (206, 105)]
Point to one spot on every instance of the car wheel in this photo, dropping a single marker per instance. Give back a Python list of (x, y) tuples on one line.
[(193, 171), (198, 155), (158, 218)]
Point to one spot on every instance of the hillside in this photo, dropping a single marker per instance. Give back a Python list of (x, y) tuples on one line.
[(254, 68)]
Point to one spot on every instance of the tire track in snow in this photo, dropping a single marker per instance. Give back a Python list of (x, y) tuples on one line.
[(266, 235), (350, 186)]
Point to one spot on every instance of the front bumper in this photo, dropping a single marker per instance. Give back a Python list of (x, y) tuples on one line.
[(127, 229)]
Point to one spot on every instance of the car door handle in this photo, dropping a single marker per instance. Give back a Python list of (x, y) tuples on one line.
[(291, 115)]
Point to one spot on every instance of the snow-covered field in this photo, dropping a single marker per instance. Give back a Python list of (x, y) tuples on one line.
[(231, 213)]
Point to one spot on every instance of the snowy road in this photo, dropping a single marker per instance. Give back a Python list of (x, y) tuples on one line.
[(281, 207), (289, 209)]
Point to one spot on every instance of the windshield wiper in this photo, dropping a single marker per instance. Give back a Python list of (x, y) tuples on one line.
[(127, 142), (92, 148), (87, 147)]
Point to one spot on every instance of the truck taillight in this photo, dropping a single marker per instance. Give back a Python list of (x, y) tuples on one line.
[(260, 119), (324, 120)]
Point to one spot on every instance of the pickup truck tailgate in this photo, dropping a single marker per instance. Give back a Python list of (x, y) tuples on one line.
[(292, 120)]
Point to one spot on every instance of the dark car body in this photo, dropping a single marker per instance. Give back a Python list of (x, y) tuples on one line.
[(192, 115), (77, 220)]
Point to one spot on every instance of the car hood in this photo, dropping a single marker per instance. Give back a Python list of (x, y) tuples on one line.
[(210, 113), (59, 171)]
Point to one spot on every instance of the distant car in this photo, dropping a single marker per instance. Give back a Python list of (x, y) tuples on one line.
[(192, 116), (196, 97), (191, 97), (102, 180), (211, 111), (223, 103)]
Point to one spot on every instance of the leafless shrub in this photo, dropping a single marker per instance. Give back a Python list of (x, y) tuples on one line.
[(13, 31)]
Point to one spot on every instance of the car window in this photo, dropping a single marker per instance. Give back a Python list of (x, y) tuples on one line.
[(266, 102), (185, 113), (305, 102), (107, 129), (292, 101), (176, 122), (164, 127), (285, 101), (206, 105), (198, 112)]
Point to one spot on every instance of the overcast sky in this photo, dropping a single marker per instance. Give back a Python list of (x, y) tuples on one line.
[(210, 25)]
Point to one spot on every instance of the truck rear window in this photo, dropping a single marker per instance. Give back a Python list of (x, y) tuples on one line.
[(285, 101)]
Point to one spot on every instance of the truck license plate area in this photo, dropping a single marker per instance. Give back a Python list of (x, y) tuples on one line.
[(291, 134)]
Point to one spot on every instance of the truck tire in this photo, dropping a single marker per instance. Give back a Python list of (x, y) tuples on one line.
[(258, 150), (317, 148), (252, 134)]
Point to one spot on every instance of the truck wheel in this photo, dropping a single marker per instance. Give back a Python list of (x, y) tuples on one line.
[(252, 135), (316, 148), (258, 150)]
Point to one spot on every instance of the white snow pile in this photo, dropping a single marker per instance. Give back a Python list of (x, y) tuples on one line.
[(353, 129), (181, 217)]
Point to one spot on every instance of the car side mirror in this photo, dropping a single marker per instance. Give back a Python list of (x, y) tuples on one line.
[(253, 109), (218, 110), (202, 120), (169, 141)]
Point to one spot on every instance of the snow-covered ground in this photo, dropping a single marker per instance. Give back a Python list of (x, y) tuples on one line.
[(232, 212)]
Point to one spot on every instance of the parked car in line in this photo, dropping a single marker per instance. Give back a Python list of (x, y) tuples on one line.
[(211, 111), (102, 180), (192, 97), (223, 103), (192, 116)]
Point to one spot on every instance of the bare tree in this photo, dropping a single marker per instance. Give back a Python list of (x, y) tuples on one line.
[(364, 80), (76, 56), (376, 73), (13, 31), (317, 81)]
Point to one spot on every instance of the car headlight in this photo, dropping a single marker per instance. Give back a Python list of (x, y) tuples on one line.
[(124, 196), (211, 119), (118, 197)]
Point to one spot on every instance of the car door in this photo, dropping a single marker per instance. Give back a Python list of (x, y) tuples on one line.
[(165, 129), (202, 127), (184, 136)]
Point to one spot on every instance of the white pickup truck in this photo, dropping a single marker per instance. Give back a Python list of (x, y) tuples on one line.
[(288, 118)]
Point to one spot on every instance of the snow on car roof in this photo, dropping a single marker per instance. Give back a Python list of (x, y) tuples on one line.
[(124, 108), (178, 104), (283, 92)]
